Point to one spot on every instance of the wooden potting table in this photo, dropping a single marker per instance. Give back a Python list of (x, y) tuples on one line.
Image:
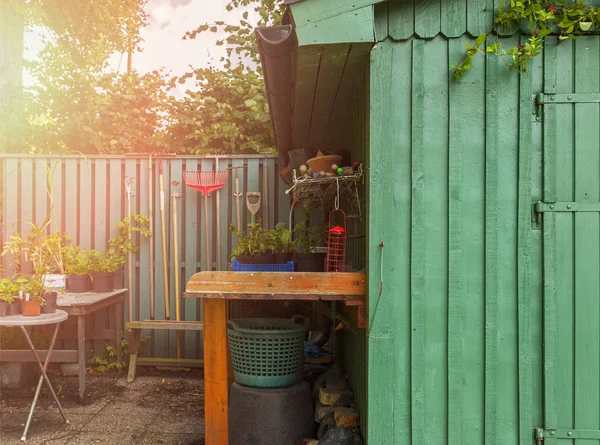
[(218, 287), (23, 322), (82, 304)]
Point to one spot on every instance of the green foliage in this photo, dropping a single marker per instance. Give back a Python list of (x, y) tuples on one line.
[(8, 290), (566, 20), (282, 240), (33, 286), (255, 242), (228, 113), (107, 360), (77, 260)]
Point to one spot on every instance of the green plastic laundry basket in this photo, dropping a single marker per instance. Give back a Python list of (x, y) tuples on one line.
[(267, 352)]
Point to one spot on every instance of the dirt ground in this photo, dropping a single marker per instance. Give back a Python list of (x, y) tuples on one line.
[(160, 407)]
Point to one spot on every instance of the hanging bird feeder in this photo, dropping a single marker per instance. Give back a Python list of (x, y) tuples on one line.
[(336, 245)]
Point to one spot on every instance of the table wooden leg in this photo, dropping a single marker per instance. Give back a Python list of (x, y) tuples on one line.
[(119, 326), (216, 385), (133, 336), (81, 355)]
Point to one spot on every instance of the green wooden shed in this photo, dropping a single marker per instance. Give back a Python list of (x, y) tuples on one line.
[(483, 223)]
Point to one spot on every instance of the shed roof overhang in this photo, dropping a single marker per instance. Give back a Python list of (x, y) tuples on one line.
[(313, 64)]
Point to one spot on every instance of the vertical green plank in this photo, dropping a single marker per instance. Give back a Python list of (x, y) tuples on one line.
[(85, 203), (525, 249), (71, 198), (549, 241), (381, 322), (491, 251), (394, 178), (41, 194), (418, 246), (427, 18), (160, 337), (142, 302), (225, 195), (381, 21), (434, 220), (587, 240), (56, 200), (116, 193), (206, 165), (565, 191), (192, 233), (100, 228), (505, 213), (466, 332), (480, 15), (253, 183), (130, 173), (26, 202), (454, 19), (401, 19)]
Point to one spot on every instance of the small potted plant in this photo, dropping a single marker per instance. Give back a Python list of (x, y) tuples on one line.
[(253, 246), (33, 290), (78, 269), (103, 266), (8, 293), (283, 246), (311, 238)]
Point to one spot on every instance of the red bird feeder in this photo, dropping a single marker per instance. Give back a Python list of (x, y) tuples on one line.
[(336, 245)]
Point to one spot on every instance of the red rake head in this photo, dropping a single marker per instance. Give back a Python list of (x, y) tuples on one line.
[(205, 181)]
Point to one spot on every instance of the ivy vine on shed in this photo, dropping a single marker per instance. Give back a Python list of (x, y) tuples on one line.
[(559, 19)]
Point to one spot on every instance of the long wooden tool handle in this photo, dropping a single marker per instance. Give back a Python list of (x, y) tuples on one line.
[(129, 261), (266, 193), (164, 244), (176, 272), (237, 200), (151, 218), (218, 221), (207, 247)]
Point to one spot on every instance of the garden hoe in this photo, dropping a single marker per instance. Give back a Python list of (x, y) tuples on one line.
[(175, 196)]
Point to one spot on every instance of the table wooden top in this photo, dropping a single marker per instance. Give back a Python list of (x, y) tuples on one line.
[(70, 299), (42, 319), (347, 286)]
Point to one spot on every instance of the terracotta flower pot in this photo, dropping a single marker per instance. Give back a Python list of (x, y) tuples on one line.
[(4, 307), (50, 306), (31, 308), (103, 282), (79, 283), (15, 307)]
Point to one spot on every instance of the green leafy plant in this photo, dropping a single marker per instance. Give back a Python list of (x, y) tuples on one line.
[(106, 361), (566, 20), (33, 286), (310, 236), (77, 260), (120, 245), (9, 290), (255, 242), (281, 240)]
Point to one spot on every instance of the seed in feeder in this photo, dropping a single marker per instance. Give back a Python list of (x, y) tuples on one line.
[(334, 167), (321, 173), (303, 169), (340, 171)]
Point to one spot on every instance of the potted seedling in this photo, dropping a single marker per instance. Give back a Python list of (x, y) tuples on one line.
[(33, 290), (78, 269), (283, 246), (103, 266), (8, 293), (311, 238), (253, 246)]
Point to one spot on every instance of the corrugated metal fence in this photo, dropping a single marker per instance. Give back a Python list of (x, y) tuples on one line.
[(88, 197)]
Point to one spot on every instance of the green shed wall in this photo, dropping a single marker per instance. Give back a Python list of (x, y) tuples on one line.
[(454, 339)]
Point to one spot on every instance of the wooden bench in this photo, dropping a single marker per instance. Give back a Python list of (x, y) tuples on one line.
[(134, 330)]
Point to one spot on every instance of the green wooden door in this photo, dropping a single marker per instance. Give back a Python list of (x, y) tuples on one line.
[(570, 220)]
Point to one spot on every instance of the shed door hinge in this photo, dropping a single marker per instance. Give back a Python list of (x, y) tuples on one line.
[(585, 98), (543, 207), (565, 433)]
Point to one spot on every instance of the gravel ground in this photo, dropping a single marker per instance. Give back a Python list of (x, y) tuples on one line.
[(160, 407)]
